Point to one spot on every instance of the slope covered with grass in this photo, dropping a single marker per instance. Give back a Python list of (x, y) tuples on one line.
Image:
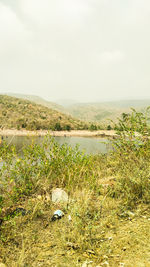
[(23, 114), (104, 112)]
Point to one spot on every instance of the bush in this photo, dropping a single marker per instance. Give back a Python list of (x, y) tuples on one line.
[(93, 127), (48, 163), (57, 127), (67, 127), (132, 158), (109, 127)]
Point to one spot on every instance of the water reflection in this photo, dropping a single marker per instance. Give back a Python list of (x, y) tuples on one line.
[(87, 144)]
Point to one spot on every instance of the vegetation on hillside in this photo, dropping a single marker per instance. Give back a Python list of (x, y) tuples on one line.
[(23, 114), (109, 197), (104, 112), (100, 114), (39, 100)]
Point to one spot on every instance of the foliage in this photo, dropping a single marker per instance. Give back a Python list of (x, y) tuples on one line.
[(39, 164), (93, 127), (132, 158)]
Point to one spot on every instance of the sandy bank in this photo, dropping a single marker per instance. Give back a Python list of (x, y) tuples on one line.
[(80, 133)]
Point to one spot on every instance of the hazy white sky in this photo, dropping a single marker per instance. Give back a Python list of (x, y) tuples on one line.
[(87, 50)]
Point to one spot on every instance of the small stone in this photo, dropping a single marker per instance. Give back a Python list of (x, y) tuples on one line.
[(59, 195), (121, 264), (69, 218), (124, 248)]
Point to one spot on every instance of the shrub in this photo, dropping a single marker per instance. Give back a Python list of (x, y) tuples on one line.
[(109, 127), (57, 127), (132, 158)]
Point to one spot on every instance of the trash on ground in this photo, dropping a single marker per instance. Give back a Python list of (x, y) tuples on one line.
[(58, 214)]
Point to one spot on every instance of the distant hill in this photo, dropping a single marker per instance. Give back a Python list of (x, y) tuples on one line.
[(39, 100), (105, 111), (17, 113), (66, 102)]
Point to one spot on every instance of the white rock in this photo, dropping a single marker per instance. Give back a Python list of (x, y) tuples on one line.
[(59, 195), (2, 265), (69, 218)]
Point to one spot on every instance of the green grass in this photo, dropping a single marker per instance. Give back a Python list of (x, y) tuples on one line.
[(108, 203)]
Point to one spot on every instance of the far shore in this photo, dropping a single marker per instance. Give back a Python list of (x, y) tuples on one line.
[(79, 133)]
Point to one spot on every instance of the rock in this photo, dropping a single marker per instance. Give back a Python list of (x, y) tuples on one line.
[(2, 265), (59, 195), (69, 218)]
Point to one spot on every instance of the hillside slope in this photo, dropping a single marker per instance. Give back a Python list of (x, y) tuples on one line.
[(18, 113), (39, 100), (102, 112)]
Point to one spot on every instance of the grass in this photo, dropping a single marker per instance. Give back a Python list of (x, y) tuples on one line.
[(110, 216)]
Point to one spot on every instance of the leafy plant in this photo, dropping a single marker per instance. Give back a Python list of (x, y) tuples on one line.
[(132, 158)]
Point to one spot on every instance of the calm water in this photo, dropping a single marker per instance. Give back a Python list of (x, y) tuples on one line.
[(87, 144)]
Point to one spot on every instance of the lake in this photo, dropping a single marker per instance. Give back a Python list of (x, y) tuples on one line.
[(90, 145)]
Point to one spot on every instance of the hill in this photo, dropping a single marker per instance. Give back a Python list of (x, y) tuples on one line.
[(39, 100), (99, 113), (17, 113), (105, 111)]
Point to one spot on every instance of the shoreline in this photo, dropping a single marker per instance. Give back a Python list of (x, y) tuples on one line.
[(75, 133)]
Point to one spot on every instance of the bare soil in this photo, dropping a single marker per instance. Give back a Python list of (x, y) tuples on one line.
[(81, 133)]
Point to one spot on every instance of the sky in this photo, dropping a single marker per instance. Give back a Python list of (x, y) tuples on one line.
[(84, 50)]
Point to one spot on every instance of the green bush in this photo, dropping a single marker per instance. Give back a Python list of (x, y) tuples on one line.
[(131, 158)]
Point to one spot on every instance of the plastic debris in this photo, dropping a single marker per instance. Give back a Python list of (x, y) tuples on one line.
[(58, 214)]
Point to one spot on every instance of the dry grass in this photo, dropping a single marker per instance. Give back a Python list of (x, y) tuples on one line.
[(94, 234)]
